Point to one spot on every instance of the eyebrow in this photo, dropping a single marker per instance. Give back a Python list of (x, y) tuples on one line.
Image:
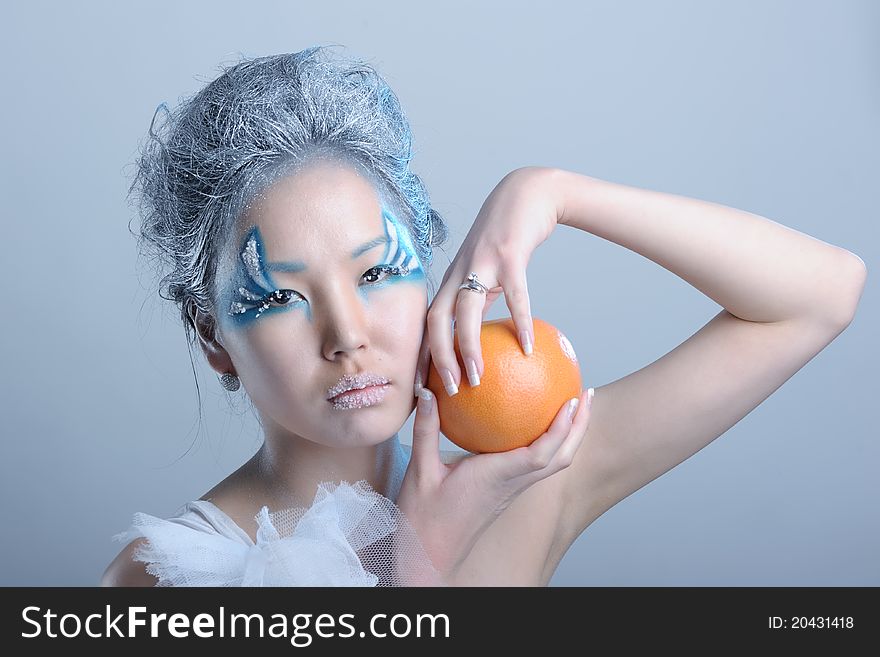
[(296, 265)]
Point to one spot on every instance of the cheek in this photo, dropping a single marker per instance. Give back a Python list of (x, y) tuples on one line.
[(272, 359), (401, 321)]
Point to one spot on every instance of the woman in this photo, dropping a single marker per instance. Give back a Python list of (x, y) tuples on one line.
[(299, 245)]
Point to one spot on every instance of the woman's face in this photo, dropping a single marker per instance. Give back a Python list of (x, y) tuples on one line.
[(322, 281)]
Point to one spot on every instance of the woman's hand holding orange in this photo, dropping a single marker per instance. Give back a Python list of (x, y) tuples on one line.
[(518, 215), (451, 505)]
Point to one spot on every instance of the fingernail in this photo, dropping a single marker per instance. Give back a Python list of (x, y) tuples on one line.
[(590, 394), (526, 341), (449, 383), (572, 407), (425, 400), (473, 375), (417, 386)]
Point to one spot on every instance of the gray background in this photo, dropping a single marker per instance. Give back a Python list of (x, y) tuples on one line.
[(771, 107)]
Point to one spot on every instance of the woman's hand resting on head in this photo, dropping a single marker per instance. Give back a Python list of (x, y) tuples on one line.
[(451, 505)]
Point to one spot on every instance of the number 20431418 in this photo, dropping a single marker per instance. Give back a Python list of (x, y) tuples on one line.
[(810, 622)]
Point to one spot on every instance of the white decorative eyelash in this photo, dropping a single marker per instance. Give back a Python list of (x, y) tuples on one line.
[(239, 307), (247, 294)]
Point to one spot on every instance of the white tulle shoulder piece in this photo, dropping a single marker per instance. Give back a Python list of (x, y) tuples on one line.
[(351, 535)]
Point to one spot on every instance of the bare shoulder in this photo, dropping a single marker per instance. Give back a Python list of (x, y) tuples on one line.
[(125, 571)]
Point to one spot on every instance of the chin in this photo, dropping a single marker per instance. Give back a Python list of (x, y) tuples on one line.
[(368, 426)]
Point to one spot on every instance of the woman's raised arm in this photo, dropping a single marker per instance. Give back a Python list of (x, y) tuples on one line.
[(785, 295), (756, 269)]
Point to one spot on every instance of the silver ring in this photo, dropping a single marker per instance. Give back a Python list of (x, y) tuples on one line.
[(473, 283)]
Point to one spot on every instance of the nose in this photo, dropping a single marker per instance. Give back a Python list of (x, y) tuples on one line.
[(343, 318)]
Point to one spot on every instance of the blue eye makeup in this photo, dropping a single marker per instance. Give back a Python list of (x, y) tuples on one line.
[(254, 292), (399, 250)]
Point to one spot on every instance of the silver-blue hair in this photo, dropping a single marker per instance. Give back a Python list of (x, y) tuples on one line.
[(199, 169)]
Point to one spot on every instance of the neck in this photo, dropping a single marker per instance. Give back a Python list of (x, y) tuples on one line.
[(289, 468)]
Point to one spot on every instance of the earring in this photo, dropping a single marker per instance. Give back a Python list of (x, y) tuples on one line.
[(230, 382)]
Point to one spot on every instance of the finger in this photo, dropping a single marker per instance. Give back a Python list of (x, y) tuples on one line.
[(566, 453), (440, 339), (426, 433), (539, 454), (516, 296), (468, 324), (422, 363)]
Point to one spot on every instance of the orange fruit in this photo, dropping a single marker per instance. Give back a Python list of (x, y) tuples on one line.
[(518, 396)]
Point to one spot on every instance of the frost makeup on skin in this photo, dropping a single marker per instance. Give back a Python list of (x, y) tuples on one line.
[(253, 292)]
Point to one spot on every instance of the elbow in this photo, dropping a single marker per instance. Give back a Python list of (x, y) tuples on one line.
[(854, 274)]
